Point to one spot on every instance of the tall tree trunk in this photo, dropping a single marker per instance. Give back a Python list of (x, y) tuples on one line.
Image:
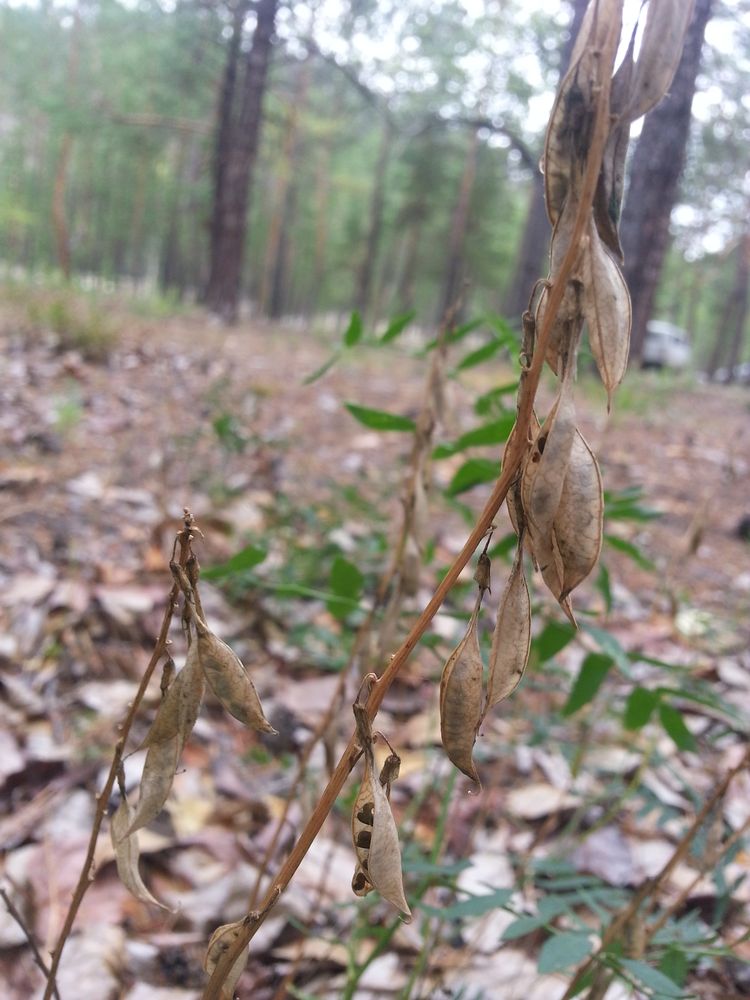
[(59, 215), (237, 139), (536, 233), (274, 268), (730, 331), (654, 178), (408, 273), (454, 270), (377, 202)]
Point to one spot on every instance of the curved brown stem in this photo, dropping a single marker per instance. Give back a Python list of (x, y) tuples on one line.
[(85, 879)]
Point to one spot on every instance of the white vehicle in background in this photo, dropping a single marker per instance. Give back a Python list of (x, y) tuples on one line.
[(665, 346)]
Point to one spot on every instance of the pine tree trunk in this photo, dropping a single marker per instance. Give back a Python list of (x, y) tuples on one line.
[(654, 179), (455, 267), (536, 233), (730, 330), (271, 299), (377, 202), (237, 139)]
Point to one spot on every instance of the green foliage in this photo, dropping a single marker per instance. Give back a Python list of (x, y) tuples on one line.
[(379, 420), (592, 675)]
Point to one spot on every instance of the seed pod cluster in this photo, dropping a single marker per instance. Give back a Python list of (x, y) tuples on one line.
[(557, 500), (463, 699), (374, 832), (209, 662)]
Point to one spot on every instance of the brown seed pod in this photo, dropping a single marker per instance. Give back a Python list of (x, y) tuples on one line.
[(606, 306), (374, 832), (579, 518), (420, 527), (545, 465), (181, 703), (411, 566), (511, 639), (221, 940), (230, 682), (566, 330), (461, 699), (156, 781), (127, 854), (572, 120), (658, 56)]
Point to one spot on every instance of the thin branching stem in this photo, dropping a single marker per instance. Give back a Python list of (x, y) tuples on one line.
[(18, 917), (513, 458), (85, 879), (624, 918)]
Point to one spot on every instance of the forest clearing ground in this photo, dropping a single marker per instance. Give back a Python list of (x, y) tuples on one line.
[(98, 460)]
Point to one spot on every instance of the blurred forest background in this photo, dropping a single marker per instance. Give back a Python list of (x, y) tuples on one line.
[(351, 155)]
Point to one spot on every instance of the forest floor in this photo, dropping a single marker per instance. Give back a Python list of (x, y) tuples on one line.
[(108, 435)]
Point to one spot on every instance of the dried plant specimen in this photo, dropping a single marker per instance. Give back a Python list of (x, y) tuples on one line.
[(461, 699), (374, 832), (230, 682), (221, 940), (511, 639)]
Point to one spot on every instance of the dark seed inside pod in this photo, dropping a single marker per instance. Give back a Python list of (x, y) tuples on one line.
[(359, 882), (366, 813), (364, 838)]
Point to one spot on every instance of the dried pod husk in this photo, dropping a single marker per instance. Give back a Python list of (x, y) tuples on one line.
[(579, 519), (221, 941), (572, 120), (606, 306), (482, 574), (545, 465), (156, 781), (375, 839), (566, 330), (181, 703), (230, 682), (461, 700), (411, 566), (127, 854), (385, 853), (363, 817), (511, 639), (658, 56), (420, 509)]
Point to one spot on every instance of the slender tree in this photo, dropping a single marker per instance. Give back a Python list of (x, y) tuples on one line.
[(236, 146), (730, 329), (654, 181)]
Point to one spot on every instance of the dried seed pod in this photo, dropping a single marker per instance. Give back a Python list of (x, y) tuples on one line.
[(363, 817), (566, 330), (156, 781), (181, 703), (374, 832), (384, 869), (411, 566), (579, 518), (127, 854), (230, 682), (606, 306), (221, 940), (658, 56), (572, 119), (461, 699), (545, 465), (420, 509), (482, 574), (512, 636)]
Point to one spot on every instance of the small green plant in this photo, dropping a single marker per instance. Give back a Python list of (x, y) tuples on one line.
[(79, 324)]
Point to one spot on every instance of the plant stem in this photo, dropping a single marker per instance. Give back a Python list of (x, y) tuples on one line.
[(86, 877), (514, 454)]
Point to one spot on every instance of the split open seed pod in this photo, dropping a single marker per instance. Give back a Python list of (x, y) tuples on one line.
[(374, 832), (230, 682), (579, 519)]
